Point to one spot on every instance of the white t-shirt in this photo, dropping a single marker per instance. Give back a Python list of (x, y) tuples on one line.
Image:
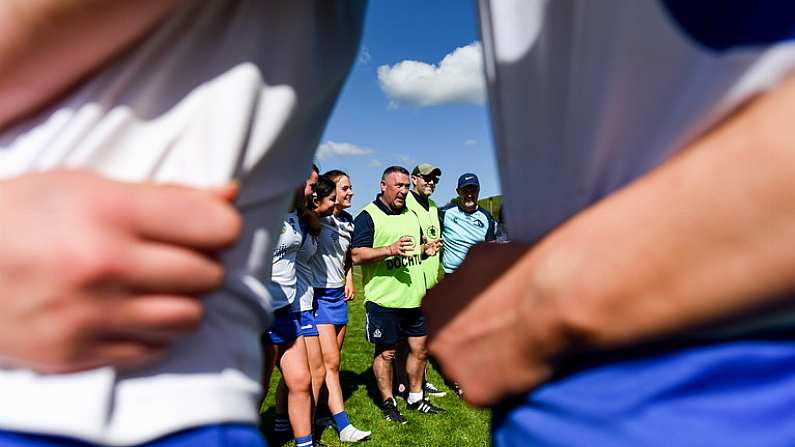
[(282, 285), (587, 96), (222, 89), (305, 293), (328, 264)]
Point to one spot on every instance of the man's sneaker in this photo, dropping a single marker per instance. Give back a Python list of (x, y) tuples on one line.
[(431, 390), (391, 413), (424, 406), (353, 434)]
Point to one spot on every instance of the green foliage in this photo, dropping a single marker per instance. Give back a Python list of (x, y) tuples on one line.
[(460, 426), (491, 204)]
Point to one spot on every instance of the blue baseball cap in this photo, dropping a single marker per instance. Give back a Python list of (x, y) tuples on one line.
[(468, 179)]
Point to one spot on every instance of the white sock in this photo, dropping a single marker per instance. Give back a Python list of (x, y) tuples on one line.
[(414, 397)]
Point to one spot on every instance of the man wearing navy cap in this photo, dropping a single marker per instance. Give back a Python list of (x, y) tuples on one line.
[(464, 223)]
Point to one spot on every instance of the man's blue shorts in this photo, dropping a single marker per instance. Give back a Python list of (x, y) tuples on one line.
[(286, 326), (222, 435), (308, 327), (385, 325), (330, 306)]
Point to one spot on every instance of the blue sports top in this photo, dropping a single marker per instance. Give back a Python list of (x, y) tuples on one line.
[(460, 231), (587, 96)]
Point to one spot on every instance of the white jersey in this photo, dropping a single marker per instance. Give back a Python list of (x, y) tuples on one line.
[(328, 264), (587, 96), (221, 89), (305, 293), (282, 285)]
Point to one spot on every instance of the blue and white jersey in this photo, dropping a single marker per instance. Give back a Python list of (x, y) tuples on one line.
[(282, 285), (586, 97), (333, 247), (460, 231), (303, 271)]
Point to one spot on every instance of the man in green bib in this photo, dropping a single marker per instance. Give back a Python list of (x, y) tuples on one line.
[(424, 179), (388, 244)]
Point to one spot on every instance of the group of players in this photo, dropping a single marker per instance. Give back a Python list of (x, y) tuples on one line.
[(644, 308), (311, 283)]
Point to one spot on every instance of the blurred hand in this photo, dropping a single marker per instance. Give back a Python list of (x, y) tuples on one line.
[(487, 313), (99, 272)]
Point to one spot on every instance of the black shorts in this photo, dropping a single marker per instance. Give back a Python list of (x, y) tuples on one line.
[(385, 326)]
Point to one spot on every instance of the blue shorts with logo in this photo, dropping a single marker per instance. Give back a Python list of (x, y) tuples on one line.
[(222, 435), (386, 325), (736, 393), (330, 306), (286, 326), (308, 327)]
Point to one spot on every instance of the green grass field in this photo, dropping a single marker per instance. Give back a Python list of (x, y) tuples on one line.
[(460, 426)]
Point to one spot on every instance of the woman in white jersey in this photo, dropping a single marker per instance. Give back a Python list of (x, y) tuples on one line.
[(333, 282), (285, 332)]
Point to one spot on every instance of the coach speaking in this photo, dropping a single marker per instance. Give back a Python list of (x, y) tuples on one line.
[(387, 243)]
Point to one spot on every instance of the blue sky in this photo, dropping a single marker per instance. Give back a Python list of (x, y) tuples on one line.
[(402, 105)]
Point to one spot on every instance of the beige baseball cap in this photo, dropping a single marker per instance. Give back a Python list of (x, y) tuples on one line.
[(426, 169)]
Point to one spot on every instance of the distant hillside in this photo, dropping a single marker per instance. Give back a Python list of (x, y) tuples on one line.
[(492, 204)]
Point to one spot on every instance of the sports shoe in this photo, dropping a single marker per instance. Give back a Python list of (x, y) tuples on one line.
[(431, 390), (353, 434), (391, 412), (424, 406)]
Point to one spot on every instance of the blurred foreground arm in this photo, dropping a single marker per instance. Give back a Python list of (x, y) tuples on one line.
[(705, 237), (46, 46), (98, 272)]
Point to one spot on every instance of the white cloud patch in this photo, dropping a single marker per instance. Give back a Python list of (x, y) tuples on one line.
[(458, 78), (364, 56), (406, 160), (375, 164), (470, 142), (330, 148)]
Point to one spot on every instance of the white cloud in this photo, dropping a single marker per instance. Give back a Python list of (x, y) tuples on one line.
[(406, 160), (470, 142), (364, 56), (375, 164), (330, 148), (457, 79)]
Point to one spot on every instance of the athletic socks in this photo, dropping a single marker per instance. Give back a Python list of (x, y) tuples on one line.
[(281, 423), (304, 441), (346, 431), (341, 420), (414, 397)]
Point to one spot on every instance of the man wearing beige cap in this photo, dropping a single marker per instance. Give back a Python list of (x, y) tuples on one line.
[(424, 178)]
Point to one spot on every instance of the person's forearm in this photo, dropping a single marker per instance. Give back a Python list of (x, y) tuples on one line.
[(46, 46), (367, 255), (707, 236)]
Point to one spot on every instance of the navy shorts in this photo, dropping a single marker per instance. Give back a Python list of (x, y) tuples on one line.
[(385, 326), (223, 435), (308, 327), (330, 306), (286, 326)]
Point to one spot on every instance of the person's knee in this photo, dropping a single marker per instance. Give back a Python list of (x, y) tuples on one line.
[(299, 380), (318, 371), (419, 351), (331, 361)]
